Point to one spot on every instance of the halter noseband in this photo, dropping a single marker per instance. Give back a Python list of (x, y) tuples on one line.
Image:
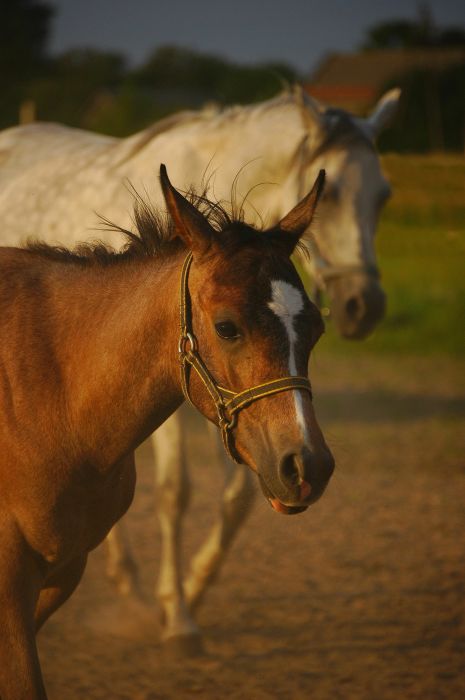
[(227, 403), (324, 273), (328, 272)]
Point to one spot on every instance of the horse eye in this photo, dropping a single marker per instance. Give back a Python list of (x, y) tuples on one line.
[(227, 330)]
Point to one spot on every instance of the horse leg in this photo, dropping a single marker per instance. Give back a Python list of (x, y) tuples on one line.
[(179, 629), (58, 588), (20, 583), (121, 565), (238, 497)]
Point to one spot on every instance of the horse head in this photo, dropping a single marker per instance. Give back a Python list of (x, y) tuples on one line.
[(355, 192), (245, 344)]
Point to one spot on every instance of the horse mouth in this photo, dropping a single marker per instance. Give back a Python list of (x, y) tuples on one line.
[(278, 505), (286, 510)]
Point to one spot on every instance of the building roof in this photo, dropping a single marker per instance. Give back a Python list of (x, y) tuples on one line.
[(358, 78)]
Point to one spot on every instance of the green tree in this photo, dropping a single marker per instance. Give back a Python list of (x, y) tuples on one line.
[(75, 81), (24, 31), (420, 32), (179, 74), (432, 113)]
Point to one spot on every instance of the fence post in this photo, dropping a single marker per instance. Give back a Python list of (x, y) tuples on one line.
[(27, 112)]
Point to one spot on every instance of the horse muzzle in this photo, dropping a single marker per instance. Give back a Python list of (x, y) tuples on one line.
[(301, 479), (358, 303)]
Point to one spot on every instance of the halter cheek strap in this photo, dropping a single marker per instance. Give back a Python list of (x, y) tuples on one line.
[(325, 272), (228, 403)]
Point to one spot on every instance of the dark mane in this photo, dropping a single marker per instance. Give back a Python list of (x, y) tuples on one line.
[(154, 234)]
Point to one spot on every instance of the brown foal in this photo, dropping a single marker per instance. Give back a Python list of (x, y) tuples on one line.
[(90, 366)]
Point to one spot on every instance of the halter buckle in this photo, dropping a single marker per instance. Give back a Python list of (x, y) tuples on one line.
[(224, 422)]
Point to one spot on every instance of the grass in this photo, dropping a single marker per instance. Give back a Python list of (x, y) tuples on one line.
[(421, 251)]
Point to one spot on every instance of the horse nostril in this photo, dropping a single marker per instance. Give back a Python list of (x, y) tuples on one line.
[(354, 308), (289, 470)]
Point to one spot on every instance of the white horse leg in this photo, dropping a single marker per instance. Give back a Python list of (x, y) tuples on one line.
[(238, 497), (172, 499), (121, 565)]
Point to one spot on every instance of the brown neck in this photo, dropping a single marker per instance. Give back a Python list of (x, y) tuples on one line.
[(120, 353)]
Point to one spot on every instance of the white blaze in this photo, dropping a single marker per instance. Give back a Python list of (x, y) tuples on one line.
[(287, 302)]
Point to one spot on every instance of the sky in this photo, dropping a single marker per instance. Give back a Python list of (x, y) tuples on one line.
[(298, 32)]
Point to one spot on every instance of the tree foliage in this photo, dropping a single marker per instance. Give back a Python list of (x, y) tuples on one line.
[(201, 77), (95, 89), (420, 32), (74, 82), (24, 31), (432, 114)]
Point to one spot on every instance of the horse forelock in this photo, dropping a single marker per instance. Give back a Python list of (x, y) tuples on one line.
[(341, 131)]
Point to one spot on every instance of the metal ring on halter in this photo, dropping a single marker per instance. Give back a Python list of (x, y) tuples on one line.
[(182, 343), (224, 422)]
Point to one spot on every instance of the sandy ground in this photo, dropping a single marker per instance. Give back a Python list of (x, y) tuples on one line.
[(363, 596)]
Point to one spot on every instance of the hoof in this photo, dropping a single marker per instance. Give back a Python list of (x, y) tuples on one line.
[(185, 645)]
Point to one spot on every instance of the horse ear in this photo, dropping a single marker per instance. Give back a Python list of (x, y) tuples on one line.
[(190, 224), (312, 111), (384, 111), (299, 219)]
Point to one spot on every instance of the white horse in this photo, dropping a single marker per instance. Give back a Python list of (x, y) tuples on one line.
[(53, 179)]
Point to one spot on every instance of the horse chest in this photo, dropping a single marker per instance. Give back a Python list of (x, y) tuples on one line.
[(75, 516)]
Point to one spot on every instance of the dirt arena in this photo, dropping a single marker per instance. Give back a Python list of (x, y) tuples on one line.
[(362, 597)]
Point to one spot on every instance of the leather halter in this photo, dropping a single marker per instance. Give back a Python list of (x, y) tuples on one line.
[(228, 403), (324, 273), (329, 272)]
